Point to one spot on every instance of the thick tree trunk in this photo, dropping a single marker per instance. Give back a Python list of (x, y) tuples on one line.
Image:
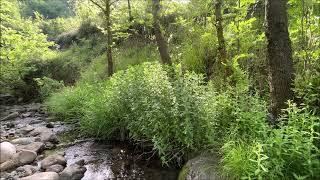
[(161, 42), (109, 39), (221, 41), (279, 55)]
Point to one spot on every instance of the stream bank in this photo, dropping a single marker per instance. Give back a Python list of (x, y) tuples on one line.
[(35, 146)]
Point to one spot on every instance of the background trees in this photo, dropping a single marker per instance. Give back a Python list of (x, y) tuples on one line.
[(175, 110)]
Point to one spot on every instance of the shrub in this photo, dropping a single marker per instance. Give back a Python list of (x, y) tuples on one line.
[(288, 152), (147, 103), (48, 86), (68, 103)]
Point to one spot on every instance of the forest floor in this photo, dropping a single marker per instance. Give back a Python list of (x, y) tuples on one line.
[(43, 144)]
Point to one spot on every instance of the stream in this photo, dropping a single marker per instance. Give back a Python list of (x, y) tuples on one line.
[(29, 128)]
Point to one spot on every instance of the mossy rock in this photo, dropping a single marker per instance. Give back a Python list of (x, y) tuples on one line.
[(202, 167)]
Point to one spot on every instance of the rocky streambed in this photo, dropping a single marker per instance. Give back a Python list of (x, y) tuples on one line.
[(35, 147)]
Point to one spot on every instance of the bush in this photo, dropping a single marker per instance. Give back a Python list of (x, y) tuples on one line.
[(48, 86), (146, 103), (289, 152)]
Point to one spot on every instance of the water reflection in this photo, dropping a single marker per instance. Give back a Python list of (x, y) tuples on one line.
[(104, 162)]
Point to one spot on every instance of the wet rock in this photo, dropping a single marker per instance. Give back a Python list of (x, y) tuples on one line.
[(201, 167), (25, 130), (23, 141), (52, 160), (7, 150), (42, 176), (10, 164), (45, 134), (10, 116), (26, 170), (73, 172), (49, 146), (10, 125), (19, 159), (34, 107), (55, 168), (25, 157), (50, 125), (35, 146), (27, 114)]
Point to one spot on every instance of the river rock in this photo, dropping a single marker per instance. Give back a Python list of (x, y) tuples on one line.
[(34, 107), (27, 114), (26, 170), (200, 168), (52, 160), (7, 150), (73, 172), (25, 157), (25, 130), (50, 125), (23, 141), (45, 134), (10, 116), (55, 168), (35, 146), (42, 176), (10, 164)]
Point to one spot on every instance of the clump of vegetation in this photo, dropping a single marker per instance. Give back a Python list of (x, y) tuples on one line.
[(145, 102)]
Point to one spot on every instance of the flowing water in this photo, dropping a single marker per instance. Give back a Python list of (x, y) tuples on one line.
[(103, 160)]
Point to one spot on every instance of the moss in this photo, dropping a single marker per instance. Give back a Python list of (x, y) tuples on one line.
[(184, 172)]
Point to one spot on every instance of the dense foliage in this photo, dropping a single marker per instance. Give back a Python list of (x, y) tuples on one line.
[(56, 51)]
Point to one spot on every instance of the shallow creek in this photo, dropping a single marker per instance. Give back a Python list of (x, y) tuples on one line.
[(103, 160)]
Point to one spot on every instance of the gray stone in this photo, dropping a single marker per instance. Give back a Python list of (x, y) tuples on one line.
[(34, 107), (45, 134), (26, 170), (26, 129), (73, 172), (10, 164), (43, 176), (27, 114), (35, 146), (7, 150), (50, 125), (203, 167), (55, 168), (25, 157), (10, 116), (23, 141), (52, 160), (19, 159)]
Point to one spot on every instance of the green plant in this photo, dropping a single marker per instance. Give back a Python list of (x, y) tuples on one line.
[(48, 86)]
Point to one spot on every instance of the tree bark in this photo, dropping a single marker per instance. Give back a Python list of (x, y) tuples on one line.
[(279, 56), (221, 41), (130, 12), (109, 38), (161, 42)]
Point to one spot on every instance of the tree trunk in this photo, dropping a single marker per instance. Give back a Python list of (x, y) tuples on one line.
[(221, 41), (109, 39), (129, 12), (161, 42), (279, 56)]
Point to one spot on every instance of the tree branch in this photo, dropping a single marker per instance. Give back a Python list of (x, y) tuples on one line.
[(97, 4)]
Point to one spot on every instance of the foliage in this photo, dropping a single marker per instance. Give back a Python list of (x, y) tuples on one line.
[(48, 8), (288, 152), (147, 103), (21, 43), (48, 86)]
